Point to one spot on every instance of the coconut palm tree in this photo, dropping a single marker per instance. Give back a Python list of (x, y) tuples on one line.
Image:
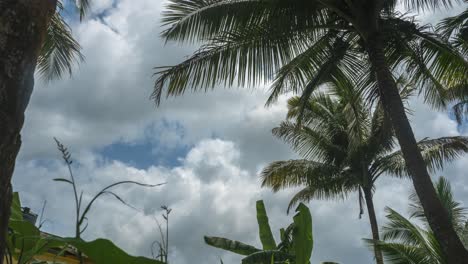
[(404, 242), (33, 36), (298, 43), (346, 146)]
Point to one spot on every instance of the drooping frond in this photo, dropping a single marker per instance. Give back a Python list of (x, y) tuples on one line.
[(60, 50), (452, 26), (435, 153), (195, 20), (83, 7), (310, 143), (428, 5), (295, 74), (330, 189), (433, 64), (247, 57), (456, 212), (327, 70), (397, 253), (293, 173), (438, 151), (400, 230), (231, 245)]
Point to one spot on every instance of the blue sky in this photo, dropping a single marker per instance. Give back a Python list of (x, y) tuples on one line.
[(208, 147)]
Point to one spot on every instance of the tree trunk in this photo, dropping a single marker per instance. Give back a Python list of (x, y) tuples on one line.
[(435, 213), (373, 223), (23, 24)]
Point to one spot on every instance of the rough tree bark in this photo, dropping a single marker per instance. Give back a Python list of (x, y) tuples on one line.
[(435, 213), (23, 25)]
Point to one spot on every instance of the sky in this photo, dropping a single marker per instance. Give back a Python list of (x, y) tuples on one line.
[(207, 147)]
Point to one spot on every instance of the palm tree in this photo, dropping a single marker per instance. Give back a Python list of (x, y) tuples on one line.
[(346, 146), (298, 43), (404, 242), (33, 35)]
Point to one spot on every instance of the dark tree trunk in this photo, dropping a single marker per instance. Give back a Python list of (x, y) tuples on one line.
[(23, 25), (435, 213), (373, 223)]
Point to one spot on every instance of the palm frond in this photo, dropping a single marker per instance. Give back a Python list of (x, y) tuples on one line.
[(330, 189), (401, 230), (435, 153), (310, 143), (247, 57), (195, 20), (296, 73), (397, 253), (292, 173), (428, 5), (456, 212), (454, 25), (60, 50), (83, 7)]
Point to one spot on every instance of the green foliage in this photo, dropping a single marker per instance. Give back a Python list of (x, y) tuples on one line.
[(346, 145), (296, 240), (266, 236), (231, 245), (268, 257), (302, 234), (26, 241), (404, 242), (104, 251), (16, 213), (60, 51)]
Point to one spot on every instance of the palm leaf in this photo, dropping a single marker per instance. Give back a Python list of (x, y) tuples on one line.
[(60, 50), (231, 245), (266, 236), (292, 173), (435, 152), (456, 212)]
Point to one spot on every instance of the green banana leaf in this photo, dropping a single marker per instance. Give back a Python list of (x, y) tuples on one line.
[(231, 245), (267, 257), (26, 237), (103, 251), (302, 235), (27, 240), (16, 213), (266, 236)]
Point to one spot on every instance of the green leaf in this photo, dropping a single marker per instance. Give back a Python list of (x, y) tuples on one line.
[(27, 240), (16, 213), (231, 245), (63, 180), (302, 234), (266, 236), (103, 251), (265, 257)]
